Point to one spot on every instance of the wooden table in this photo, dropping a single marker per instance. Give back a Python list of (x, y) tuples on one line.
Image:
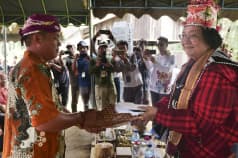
[(125, 152)]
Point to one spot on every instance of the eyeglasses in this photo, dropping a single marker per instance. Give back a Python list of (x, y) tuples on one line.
[(190, 37)]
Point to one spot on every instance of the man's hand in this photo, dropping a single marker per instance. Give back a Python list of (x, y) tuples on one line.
[(152, 59), (96, 121), (98, 62)]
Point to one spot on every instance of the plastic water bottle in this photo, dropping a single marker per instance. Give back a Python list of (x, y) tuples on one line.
[(149, 151), (135, 135), (135, 144), (135, 149)]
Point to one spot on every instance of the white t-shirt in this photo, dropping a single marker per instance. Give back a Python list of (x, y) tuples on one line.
[(132, 78), (161, 74)]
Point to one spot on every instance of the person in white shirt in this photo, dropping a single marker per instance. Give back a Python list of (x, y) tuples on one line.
[(161, 75)]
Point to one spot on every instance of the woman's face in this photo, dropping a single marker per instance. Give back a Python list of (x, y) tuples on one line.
[(193, 42)]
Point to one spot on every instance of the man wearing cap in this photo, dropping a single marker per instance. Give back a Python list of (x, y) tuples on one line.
[(201, 111), (102, 69), (81, 70), (34, 120)]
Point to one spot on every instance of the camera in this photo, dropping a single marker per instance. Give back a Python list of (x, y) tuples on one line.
[(118, 52), (150, 51), (67, 52), (104, 32)]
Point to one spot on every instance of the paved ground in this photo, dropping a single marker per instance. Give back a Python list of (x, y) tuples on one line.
[(78, 141)]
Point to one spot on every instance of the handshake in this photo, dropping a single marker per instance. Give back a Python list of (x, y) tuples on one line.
[(96, 121)]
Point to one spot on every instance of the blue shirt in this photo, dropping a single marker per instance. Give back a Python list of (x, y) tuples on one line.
[(83, 70)]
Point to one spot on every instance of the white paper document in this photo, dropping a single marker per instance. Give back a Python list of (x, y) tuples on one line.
[(128, 107)]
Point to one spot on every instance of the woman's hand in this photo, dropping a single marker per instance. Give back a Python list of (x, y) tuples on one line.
[(149, 114)]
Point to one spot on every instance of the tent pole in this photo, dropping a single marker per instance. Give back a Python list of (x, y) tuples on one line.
[(5, 48), (90, 28)]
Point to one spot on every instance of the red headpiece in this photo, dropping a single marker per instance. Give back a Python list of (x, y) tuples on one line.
[(203, 13)]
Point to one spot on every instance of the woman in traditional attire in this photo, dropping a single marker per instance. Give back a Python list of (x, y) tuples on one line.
[(201, 111)]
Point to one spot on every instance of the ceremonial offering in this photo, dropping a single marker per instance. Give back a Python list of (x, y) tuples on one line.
[(123, 138)]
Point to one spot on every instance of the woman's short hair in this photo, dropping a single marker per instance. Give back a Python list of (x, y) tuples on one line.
[(211, 37)]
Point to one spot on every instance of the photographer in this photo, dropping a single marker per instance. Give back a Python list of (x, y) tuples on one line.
[(144, 70), (102, 69), (128, 65), (160, 77)]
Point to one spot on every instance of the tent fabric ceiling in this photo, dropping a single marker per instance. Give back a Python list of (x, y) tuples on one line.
[(77, 11), (155, 8), (67, 11)]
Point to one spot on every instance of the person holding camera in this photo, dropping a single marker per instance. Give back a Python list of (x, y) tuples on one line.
[(102, 69), (128, 65), (160, 76), (145, 73)]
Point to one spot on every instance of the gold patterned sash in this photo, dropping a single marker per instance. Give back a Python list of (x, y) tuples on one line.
[(175, 137)]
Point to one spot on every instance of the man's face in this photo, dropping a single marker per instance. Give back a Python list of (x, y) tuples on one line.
[(49, 45), (162, 45), (122, 47), (102, 50), (71, 49), (83, 49)]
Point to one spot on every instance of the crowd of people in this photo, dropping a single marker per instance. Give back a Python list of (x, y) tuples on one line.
[(118, 74), (196, 113)]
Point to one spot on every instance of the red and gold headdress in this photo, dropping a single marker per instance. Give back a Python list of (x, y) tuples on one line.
[(203, 13)]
